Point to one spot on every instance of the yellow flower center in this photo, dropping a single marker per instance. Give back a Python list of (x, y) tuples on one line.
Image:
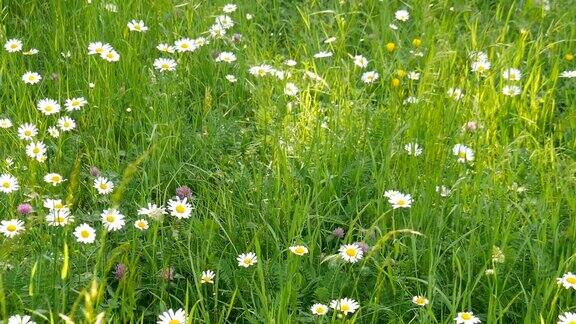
[(180, 209), (137, 27), (27, 133), (58, 205), (55, 178), (174, 321), (103, 186), (247, 261), (31, 78), (85, 234), (36, 150), (110, 218), (6, 184), (572, 322), (299, 250), (462, 154), (13, 45), (184, 45), (571, 280), (141, 225), (345, 308), (11, 228), (420, 300), (466, 316), (99, 50), (165, 66), (75, 103), (60, 219), (351, 252), (401, 202), (109, 55)]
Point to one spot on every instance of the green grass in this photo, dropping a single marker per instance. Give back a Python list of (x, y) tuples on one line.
[(269, 171)]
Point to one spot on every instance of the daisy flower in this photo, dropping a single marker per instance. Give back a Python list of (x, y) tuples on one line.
[(402, 15), (360, 61), (330, 40), (225, 21), (18, 319), (36, 150), (231, 78), (48, 106), (260, 70), (420, 300), (290, 89), (137, 26), (112, 219), (13, 45), (8, 183), (568, 74), (179, 207), (103, 185), (344, 305), (141, 224), (227, 57), (466, 318), (74, 104), (319, 309), (53, 204), (32, 51), (98, 48), (110, 56), (171, 317), (185, 45), (165, 64), (299, 250), (11, 228), (512, 74), (400, 200), (53, 131), (351, 252), (201, 41), (84, 233), (463, 153), (568, 280), (152, 211), (53, 179), (207, 277), (247, 259), (443, 191), (31, 77), (165, 48), (413, 149), (370, 77), (323, 54), (480, 66), (511, 91), (413, 75), (290, 62), (229, 8), (455, 93), (567, 318), (66, 123), (5, 123), (59, 217)]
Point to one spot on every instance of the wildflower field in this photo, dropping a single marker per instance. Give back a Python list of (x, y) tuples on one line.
[(296, 161)]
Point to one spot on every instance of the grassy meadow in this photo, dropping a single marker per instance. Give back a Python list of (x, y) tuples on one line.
[(296, 161)]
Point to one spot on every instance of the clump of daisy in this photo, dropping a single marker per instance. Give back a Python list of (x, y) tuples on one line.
[(299, 250), (247, 259), (351, 252), (463, 152), (172, 317), (480, 63), (344, 305), (207, 277), (11, 228), (466, 318), (568, 280)]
